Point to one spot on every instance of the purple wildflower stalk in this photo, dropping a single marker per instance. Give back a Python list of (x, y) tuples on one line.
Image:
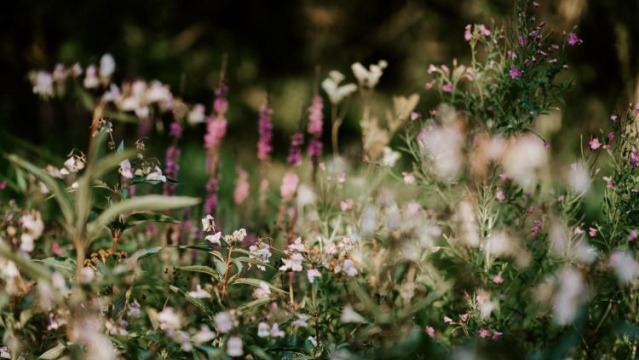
[(295, 153), (265, 129), (172, 159), (315, 126)]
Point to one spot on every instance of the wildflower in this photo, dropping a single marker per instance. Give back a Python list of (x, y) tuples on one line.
[(349, 315), (625, 266), (610, 183), (409, 178), (211, 200), (4, 353), (315, 117), (263, 330), (500, 195), (368, 78), (634, 157), (592, 232), (73, 164), (569, 297), (215, 132), (107, 67), (234, 347), (43, 84), (169, 319), (238, 235), (301, 321), (448, 88), (172, 168), (295, 153), (523, 159), (498, 279), (632, 235), (125, 169), (196, 115), (390, 157), (262, 291), (349, 268), (594, 144), (242, 187), (203, 335), (261, 251), (199, 293), (297, 245), (468, 32), (484, 333), (312, 340), (313, 274), (515, 73), (293, 263), (265, 128), (214, 238), (134, 309), (276, 332), (430, 331), (573, 39), (335, 92), (289, 186), (90, 78), (223, 322), (208, 223), (614, 118), (156, 175), (88, 274), (497, 335)]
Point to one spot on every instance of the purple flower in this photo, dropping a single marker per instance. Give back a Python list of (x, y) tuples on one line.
[(265, 129), (175, 130), (3, 185), (211, 200), (171, 169), (295, 152), (634, 157), (448, 88), (515, 73), (221, 104), (573, 39), (315, 117), (315, 148)]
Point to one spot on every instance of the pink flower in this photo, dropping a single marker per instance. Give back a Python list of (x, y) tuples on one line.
[(632, 235), (241, 187), (448, 320), (573, 39), (501, 197), (448, 88), (484, 333), (289, 185), (515, 73), (498, 279), (432, 68), (594, 144), (429, 85), (468, 33), (496, 335), (592, 232), (610, 183), (3, 185), (484, 30), (614, 118), (430, 331)]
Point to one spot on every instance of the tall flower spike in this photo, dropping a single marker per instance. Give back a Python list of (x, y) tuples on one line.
[(295, 152), (265, 129)]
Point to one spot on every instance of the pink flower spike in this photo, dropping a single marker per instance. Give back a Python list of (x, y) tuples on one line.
[(594, 144), (632, 235)]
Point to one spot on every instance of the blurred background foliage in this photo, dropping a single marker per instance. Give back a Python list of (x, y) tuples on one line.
[(276, 48)]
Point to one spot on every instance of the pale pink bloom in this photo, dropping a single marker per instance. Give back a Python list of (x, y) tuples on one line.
[(484, 333), (91, 77), (501, 197), (43, 83), (289, 185), (234, 347), (242, 187), (448, 320), (204, 335), (592, 232), (107, 67), (498, 279), (594, 144), (313, 274), (468, 32), (215, 131), (430, 331), (409, 178), (199, 293), (224, 322), (346, 205), (632, 235)]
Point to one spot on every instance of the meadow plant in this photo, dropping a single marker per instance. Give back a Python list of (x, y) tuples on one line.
[(465, 242)]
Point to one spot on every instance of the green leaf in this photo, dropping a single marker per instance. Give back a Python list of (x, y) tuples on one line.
[(149, 252), (58, 193), (140, 203), (201, 269), (53, 353), (138, 218), (257, 283), (255, 303), (220, 266), (64, 265)]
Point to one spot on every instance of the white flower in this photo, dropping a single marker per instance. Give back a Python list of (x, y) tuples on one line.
[(263, 291), (87, 275), (276, 332), (349, 268), (196, 115), (625, 266), (73, 164), (199, 293), (569, 297), (4, 353), (234, 347), (297, 246), (442, 147), (208, 223), (43, 83), (390, 157), (239, 235), (156, 175), (335, 92), (523, 159), (107, 67), (312, 274), (224, 321), (312, 340), (351, 316), (294, 263), (263, 330), (90, 78), (301, 322), (305, 196), (261, 252), (369, 78), (215, 238), (169, 319), (125, 169), (203, 335)]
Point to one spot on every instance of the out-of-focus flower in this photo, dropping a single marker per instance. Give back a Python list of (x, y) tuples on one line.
[(569, 297), (91, 77), (390, 157), (265, 129), (335, 92), (368, 78), (349, 315), (242, 187), (313, 274), (594, 144), (301, 321), (625, 266), (156, 175), (125, 169), (43, 84), (208, 223), (199, 293), (196, 115), (107, 68), (203, 335), (289, 186), (515, 73), (573, 39), (263, 330), (262, 291), (169, 319), (214, 238), (579, 178), (224, 322), (234, 346)]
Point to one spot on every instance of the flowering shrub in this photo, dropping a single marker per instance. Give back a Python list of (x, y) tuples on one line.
[(469, 242)]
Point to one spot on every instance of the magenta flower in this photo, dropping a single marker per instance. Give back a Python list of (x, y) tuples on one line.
[(295, 153), (484, 333), (265, 129), (3, 185), (573, 39), (515, 73), (594, 144)]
